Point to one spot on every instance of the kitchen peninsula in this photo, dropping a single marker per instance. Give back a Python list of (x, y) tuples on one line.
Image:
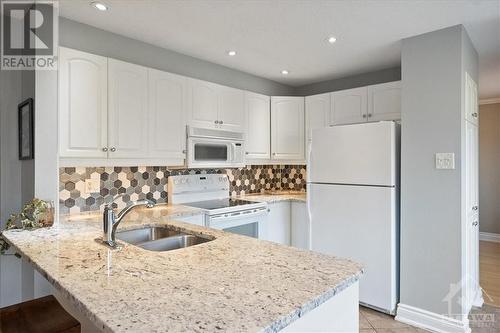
[(231, 283)]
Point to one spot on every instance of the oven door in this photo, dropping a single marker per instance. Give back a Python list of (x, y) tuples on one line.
[(214, 153), (247, 223)]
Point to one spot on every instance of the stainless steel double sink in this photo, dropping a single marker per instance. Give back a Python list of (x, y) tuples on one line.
[(159, 238)]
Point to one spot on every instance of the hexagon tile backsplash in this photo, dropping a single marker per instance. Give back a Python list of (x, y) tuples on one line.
[(137, 183)]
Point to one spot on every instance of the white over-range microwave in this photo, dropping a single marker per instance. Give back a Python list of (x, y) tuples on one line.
[(213, 148)]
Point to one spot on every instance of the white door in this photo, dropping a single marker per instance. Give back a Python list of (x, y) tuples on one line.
[(231, 109), (349, 106), (287, 128), (363, 154), (317, 112), (359, 223), (472, 212), (471, 104), (258, 124), (204, 104), (83, 104), (384, 101), (128, 111), (167, 115)]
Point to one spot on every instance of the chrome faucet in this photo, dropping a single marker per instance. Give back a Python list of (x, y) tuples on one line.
[(111, 221)]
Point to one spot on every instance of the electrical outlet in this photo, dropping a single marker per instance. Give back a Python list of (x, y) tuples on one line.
[(445, 161), (92, 185)]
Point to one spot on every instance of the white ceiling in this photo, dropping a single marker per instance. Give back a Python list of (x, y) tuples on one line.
[(271, 35)]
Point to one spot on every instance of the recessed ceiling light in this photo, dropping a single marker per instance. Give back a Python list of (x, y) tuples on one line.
[(231, 53), (285, 72), (100, 6), (331, 40)]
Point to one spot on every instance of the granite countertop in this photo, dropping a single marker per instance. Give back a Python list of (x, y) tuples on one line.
[(230, 284), (275, 196)]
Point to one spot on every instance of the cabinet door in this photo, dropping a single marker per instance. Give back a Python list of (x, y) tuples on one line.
[(83, 104), (317, 112), (384, 101), (287, 128), (167, 109), (299, 225), (258, 114), (277, 225), (472, 211), (349, 106), (204, 104), (471, 104), (128, 111), (231, 109)]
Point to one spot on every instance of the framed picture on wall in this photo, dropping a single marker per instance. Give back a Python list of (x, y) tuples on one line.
[(25, 128)]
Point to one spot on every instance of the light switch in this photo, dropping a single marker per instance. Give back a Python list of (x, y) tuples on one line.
[(92, 185), (445, 161)]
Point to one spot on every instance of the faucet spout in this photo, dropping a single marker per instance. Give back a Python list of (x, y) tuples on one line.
[(112, 220)]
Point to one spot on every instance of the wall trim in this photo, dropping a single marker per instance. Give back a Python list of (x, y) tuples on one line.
[(431, 321), (489, 101), (489, 237)]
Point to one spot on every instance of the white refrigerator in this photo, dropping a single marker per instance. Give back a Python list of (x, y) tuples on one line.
[(353, 203)]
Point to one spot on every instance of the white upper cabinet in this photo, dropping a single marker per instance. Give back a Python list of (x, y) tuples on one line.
[(82, 104), (216, 106), (317, 112), (204, 105), (372, 103), (384, 101), (349, 106), (231, 111), (258, 114), (167, 104), (287, 128), (471, 103), (128, 110)]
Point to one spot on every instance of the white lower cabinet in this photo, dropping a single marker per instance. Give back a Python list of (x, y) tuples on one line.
[(287, 223), (277, 226), (299, 225)]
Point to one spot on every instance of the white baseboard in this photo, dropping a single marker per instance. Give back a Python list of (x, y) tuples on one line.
[(430, 321), (489, 237)]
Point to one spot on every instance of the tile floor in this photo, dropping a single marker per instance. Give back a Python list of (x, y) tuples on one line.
[(371, 321), (483, 320)]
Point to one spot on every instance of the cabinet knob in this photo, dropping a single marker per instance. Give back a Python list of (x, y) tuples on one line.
[(474, 114), (216, 121), (113, 149), (184, 151), (475, 223), (246, 153), (221, 122), (105, 149), (369, 115), (364, 116), (274, 154), (475, 208)]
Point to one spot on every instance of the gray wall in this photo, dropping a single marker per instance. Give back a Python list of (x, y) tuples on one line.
[(433, 68), (360, 80), (93, 40), (489, 168)]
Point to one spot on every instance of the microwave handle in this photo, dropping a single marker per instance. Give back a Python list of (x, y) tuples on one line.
[(233, 152)]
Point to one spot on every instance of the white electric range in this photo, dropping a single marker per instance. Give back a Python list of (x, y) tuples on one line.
[(210, 192)]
